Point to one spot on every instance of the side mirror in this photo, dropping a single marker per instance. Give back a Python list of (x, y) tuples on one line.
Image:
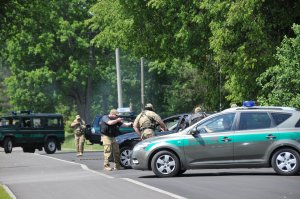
[(194, 131)]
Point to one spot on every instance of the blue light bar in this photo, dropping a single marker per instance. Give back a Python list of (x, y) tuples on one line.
[(248, 103)]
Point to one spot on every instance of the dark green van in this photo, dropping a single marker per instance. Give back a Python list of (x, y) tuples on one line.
[(32, 131)]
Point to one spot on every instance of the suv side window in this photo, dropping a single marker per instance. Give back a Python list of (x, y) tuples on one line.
[(254, 120), (220, 123), (280, 117)]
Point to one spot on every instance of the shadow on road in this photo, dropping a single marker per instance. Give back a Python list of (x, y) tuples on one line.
[(222, 174)]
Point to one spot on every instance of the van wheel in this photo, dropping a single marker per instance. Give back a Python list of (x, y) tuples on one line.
[(50, 146), (286, 162), (165, 164), (125, 157), (8, 145)]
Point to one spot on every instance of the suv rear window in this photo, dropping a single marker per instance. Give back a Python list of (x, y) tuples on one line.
[(254, 120), (280, 117)]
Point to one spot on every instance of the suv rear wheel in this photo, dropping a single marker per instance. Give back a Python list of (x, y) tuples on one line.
[(50, 146), (125, 157), (286, 162), (8, 145), (165, 164)]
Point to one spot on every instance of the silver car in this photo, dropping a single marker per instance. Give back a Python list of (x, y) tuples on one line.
[(241, 137)]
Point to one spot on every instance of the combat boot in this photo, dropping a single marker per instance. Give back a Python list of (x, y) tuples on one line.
[(107, 169)]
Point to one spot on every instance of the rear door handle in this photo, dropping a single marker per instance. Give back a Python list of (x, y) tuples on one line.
[(271, 137), (226, 139)]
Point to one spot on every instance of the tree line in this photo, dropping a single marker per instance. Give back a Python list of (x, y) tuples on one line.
[(58, 56)]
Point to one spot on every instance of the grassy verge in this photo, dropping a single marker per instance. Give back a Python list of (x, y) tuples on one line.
[(69, 145), (3, 194)]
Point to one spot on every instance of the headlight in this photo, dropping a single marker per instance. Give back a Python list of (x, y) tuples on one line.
[(141, 146), (93, 131)]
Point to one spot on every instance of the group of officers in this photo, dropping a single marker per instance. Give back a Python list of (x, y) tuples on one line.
[(144, 125)]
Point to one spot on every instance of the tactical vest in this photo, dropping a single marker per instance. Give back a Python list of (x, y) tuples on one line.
[(147, 122)]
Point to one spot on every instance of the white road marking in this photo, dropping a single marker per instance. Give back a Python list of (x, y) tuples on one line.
[(10, 193), (153, 188), (83, 166)]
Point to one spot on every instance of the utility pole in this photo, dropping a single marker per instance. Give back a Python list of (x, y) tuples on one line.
[(220, 89), (119, 83), (142, 84)]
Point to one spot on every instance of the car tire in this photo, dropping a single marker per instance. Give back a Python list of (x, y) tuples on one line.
[(165, 164), (28, 150), (286, 162), (50, 146), (8, 145), (125, 157)]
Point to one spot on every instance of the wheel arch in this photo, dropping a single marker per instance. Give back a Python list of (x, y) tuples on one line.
[(8, 136), (279, 148), (162, 149)]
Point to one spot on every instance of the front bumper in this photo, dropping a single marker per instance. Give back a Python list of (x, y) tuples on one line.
[(140, 160)]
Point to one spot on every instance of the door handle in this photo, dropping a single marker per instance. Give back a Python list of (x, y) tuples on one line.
[(271, 137), (226, 139)]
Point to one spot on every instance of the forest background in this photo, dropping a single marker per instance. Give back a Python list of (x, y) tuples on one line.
[(59, 55)]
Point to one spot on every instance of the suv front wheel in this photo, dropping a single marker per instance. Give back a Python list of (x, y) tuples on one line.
[(286, 162), (8, 145), (50, 146), (165, 164)]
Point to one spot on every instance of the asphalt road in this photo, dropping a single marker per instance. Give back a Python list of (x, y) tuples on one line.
[(63, 175)]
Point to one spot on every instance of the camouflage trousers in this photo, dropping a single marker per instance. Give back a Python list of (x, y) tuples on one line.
[(111, 147), (147, 133), (79, 143)]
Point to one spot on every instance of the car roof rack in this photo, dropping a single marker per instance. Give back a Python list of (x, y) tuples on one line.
[(28, 112)]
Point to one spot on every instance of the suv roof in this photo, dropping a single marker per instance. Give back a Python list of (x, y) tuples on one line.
[(263, 108)]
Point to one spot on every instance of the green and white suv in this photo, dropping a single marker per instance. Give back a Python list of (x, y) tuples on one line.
[(241, 137)]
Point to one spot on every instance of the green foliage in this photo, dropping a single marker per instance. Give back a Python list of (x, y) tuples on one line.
[(32, 90), (280, 83), (207, 53)]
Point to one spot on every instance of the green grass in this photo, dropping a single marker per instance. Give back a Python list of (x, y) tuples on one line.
[(3, 194), (69, 145)]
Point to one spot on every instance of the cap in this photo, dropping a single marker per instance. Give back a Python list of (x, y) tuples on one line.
[(77, 117), (197, 109), (114, 112), (149, 106)]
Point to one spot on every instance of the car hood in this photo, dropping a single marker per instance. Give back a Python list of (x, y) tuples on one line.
[(127, 136)]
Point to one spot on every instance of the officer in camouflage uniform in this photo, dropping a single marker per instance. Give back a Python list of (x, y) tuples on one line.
[(79, 127), (146, 122)]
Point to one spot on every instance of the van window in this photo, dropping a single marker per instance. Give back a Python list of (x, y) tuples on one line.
[(37, 123), (26, 123), (4, 122), (54, 122)]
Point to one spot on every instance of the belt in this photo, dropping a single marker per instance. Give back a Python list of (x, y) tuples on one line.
[(146, 128)]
